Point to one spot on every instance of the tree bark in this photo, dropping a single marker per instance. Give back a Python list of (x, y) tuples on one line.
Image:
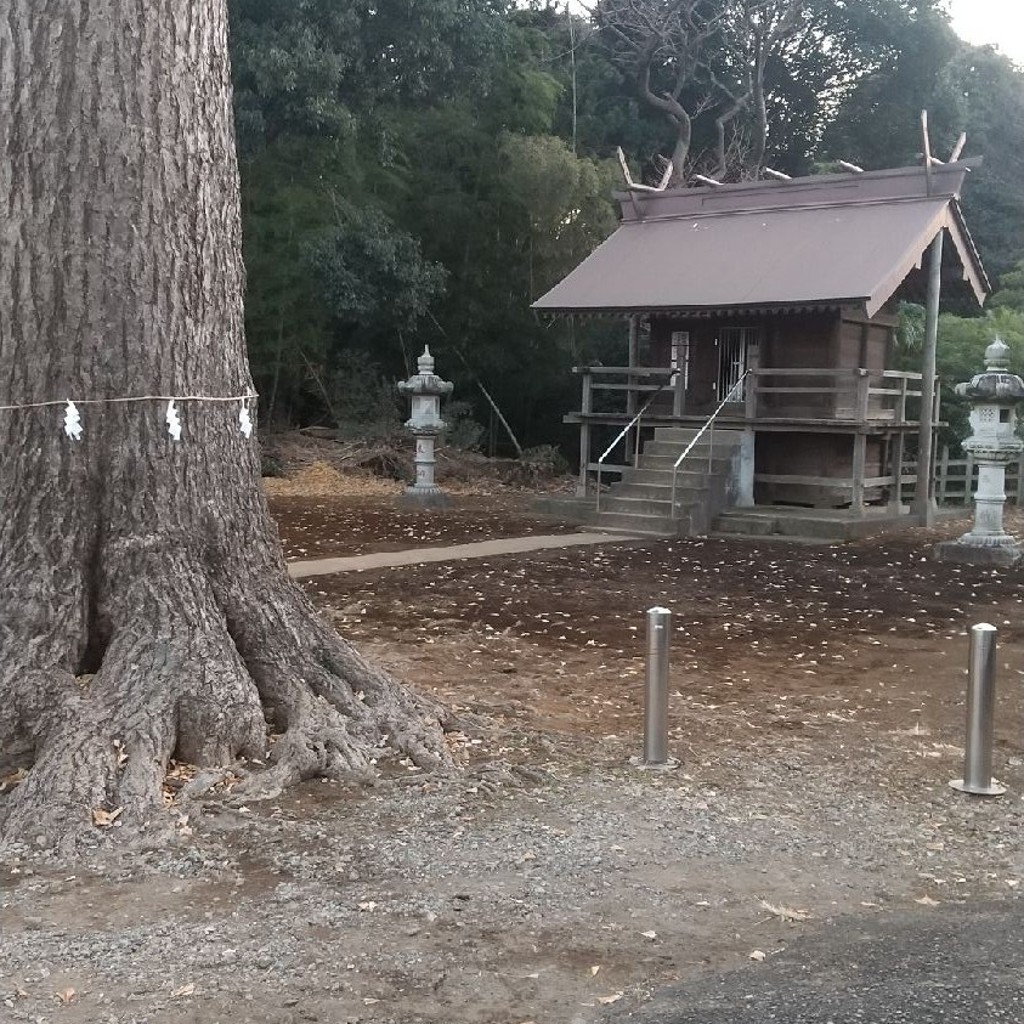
[(676, 115), (759, 135), (145, 611)]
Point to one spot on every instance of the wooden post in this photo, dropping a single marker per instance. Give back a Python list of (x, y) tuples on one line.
[(863, 380), (896, 500), (679, 354), (1020, 483), (860, 447), (633, 360), (924, 504), (902, 408), (750, 399), (753, 364), (942, 484), (748, 442), (586, 406)]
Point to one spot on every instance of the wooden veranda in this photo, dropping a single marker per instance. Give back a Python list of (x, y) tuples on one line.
[(852, 404)]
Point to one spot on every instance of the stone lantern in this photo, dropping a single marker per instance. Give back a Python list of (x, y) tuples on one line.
[(425, 390), (995, 396)]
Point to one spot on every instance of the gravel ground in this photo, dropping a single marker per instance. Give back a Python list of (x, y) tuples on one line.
[(817, 711), (489, 899)]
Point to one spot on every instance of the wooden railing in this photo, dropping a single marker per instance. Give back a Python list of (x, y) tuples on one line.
[(634, 381), (956, 479), (623, 435), (951, 480), (847, 396), (853, 400)]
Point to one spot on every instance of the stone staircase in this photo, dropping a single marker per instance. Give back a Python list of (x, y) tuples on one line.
[(641, 502)]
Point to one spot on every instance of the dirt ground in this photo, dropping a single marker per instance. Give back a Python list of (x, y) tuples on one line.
[(331, 526), (816, 707)]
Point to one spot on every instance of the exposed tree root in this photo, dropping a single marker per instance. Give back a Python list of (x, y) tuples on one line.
[(194, 674), (335, 709)]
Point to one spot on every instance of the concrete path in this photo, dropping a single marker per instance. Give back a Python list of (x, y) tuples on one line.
[(481, 549)]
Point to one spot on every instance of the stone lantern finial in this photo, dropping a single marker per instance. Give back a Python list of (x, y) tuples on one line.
[(997, 356)]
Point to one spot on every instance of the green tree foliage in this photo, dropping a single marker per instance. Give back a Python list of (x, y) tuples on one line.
[(310, 66), (1011, 289), (517, 212), (418, 171), (965, 89), (960, 353), (292, 62), (402, 186), (372, 276)]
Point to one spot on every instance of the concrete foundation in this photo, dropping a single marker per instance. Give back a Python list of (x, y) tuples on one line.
[(821, 525), (968, 552), (423, 498), (779, 522)]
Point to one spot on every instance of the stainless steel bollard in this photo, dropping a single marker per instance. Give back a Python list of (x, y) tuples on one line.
[(981, 701), (659, 632)]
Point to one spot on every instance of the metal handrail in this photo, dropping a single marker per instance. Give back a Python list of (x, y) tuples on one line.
[(710, 422), (622, 433)]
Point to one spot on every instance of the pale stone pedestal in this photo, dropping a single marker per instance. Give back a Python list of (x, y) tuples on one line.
[(987, 543), (1006, 554)]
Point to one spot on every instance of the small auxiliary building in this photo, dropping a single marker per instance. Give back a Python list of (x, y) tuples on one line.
[(770, 306)]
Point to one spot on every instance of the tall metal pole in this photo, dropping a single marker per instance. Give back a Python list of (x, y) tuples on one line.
[(981, 701), (924, 504), (659, 631)]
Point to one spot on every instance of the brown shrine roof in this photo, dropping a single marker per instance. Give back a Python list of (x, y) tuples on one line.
[(825, 239)]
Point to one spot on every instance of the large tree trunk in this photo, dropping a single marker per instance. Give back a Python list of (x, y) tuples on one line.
[(145, 611)]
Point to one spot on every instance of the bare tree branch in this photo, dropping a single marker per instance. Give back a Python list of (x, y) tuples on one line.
[(662, 44)]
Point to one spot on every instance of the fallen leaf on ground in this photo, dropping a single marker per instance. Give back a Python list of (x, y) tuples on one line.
[(927, 901), (185, 990), (650, 935), (595, 969), (613, 998), (757, 955), (104, 819), (785, 913), (66, 996)]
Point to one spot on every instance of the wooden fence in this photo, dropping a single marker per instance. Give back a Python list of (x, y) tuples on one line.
[(952, 477)]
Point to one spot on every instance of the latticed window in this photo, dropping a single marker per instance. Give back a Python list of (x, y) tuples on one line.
[(734, 344)]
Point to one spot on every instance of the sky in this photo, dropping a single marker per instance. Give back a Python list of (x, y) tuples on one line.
[(1000, 22)]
